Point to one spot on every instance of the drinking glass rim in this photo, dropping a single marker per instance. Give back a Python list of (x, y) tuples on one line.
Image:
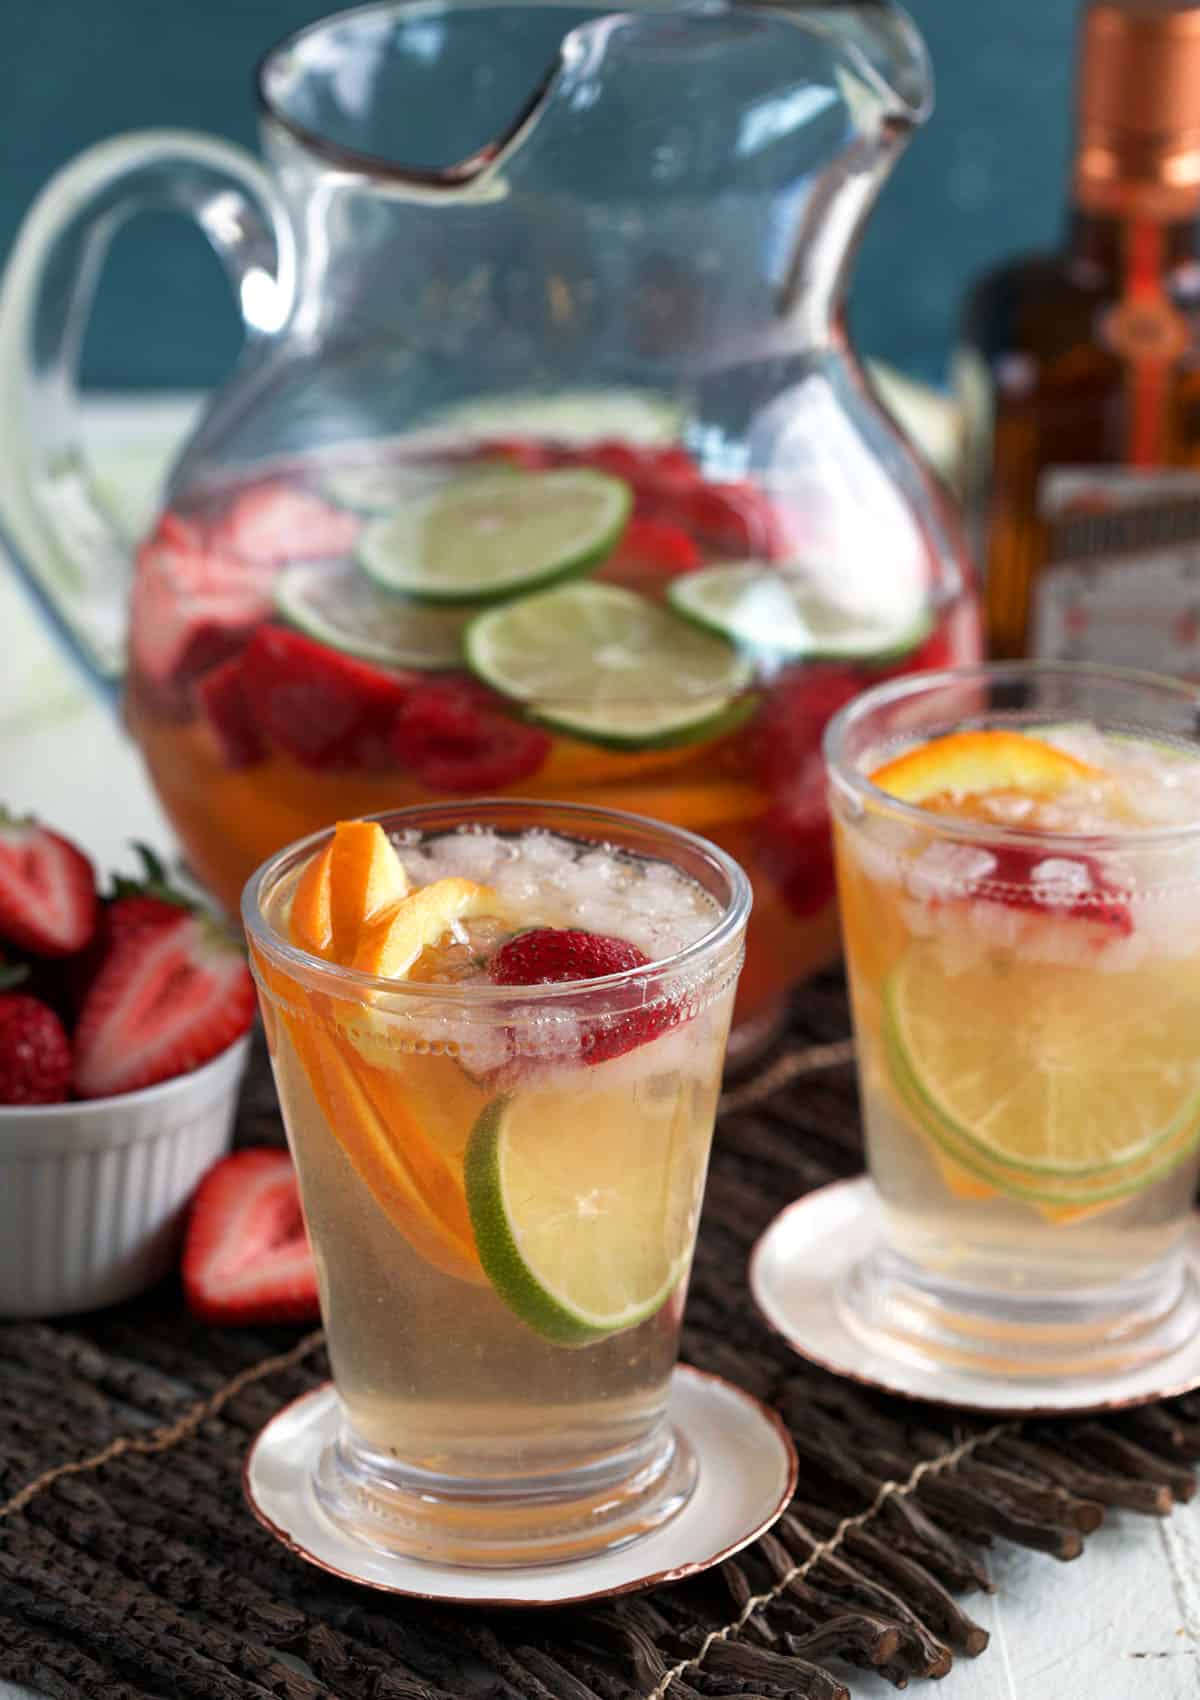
[(853, 783), (352, 981)]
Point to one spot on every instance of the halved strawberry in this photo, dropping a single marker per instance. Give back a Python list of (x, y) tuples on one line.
[(47, 890), (554, 955), (192, 607), (1069, 885), (794, 844), (246, 1257), (326, 709), (657, 544), (164, 1002), (276, 522), (787, 730), (731, 519), (455, 739), (225, 705)]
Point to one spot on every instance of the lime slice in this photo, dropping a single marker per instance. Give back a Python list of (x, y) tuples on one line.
[(584, 1205), (485, 537), (341, 607), (578, 417), (779, 611), (1047, 1070), (1033, 1186), (602, 663), (376, 487)]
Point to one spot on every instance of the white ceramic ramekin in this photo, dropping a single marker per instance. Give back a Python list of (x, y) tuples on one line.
[(92, 1196)]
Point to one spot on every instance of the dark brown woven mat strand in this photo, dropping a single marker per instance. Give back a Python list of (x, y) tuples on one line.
[(131, 1570)]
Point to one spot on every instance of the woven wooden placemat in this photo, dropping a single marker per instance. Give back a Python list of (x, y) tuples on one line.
[(130, 1568)]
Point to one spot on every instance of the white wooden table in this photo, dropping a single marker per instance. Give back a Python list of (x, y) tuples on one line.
[(1121, 1623)]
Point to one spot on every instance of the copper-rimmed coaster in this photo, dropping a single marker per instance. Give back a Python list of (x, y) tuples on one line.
[(798, 1274), (747, 1476)]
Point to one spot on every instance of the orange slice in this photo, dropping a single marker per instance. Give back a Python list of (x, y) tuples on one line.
[(310, 923), (391, 944), (416, 1185), (967, 764), (365, 877)]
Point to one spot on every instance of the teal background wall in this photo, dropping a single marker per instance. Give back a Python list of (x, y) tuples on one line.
[(984, 177)]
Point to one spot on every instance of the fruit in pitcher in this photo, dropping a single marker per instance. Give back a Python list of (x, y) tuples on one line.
[(457, 739), (326, 709), (246, 1258), (487, 536), (277, 522), (607, 665), (193, 606), (224, 703)]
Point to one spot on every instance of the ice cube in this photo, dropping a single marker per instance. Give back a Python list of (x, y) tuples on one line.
[(945, 869)]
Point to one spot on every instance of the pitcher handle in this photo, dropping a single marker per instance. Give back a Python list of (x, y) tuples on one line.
[(67, 544)]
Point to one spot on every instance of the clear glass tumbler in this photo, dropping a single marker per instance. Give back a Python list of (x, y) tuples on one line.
[(1023, 947), (503, 1225)]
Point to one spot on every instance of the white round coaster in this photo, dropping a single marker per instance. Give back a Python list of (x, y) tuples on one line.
[(797, 1269), (747, 1476)]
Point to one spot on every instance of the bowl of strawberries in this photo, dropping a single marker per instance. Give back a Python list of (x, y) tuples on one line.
[(124, 1021)]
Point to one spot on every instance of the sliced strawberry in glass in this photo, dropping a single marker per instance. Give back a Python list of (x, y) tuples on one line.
[(1068, 885)]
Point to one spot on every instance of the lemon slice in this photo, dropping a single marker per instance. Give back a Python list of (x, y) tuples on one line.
[(584, 1207), (1053, 1072)]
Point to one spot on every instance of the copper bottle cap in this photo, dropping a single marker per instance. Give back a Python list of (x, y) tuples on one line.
[(1139, 108)]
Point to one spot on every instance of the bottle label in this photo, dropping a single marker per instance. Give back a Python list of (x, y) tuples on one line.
[(1121, 583)]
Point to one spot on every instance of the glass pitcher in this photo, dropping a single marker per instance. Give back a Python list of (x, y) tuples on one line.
[(547, 468)]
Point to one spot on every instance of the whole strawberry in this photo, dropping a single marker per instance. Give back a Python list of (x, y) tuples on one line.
[(35, 1053), (551, 955), (554, 955), (47, 890)]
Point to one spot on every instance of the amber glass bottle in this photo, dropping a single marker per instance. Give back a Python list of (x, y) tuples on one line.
[(1079, 373)]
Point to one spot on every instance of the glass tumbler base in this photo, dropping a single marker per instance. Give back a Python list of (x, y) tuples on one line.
[(413, 1513), (900, 1309)]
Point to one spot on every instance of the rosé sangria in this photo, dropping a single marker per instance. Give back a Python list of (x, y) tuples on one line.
[(543, 613)]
